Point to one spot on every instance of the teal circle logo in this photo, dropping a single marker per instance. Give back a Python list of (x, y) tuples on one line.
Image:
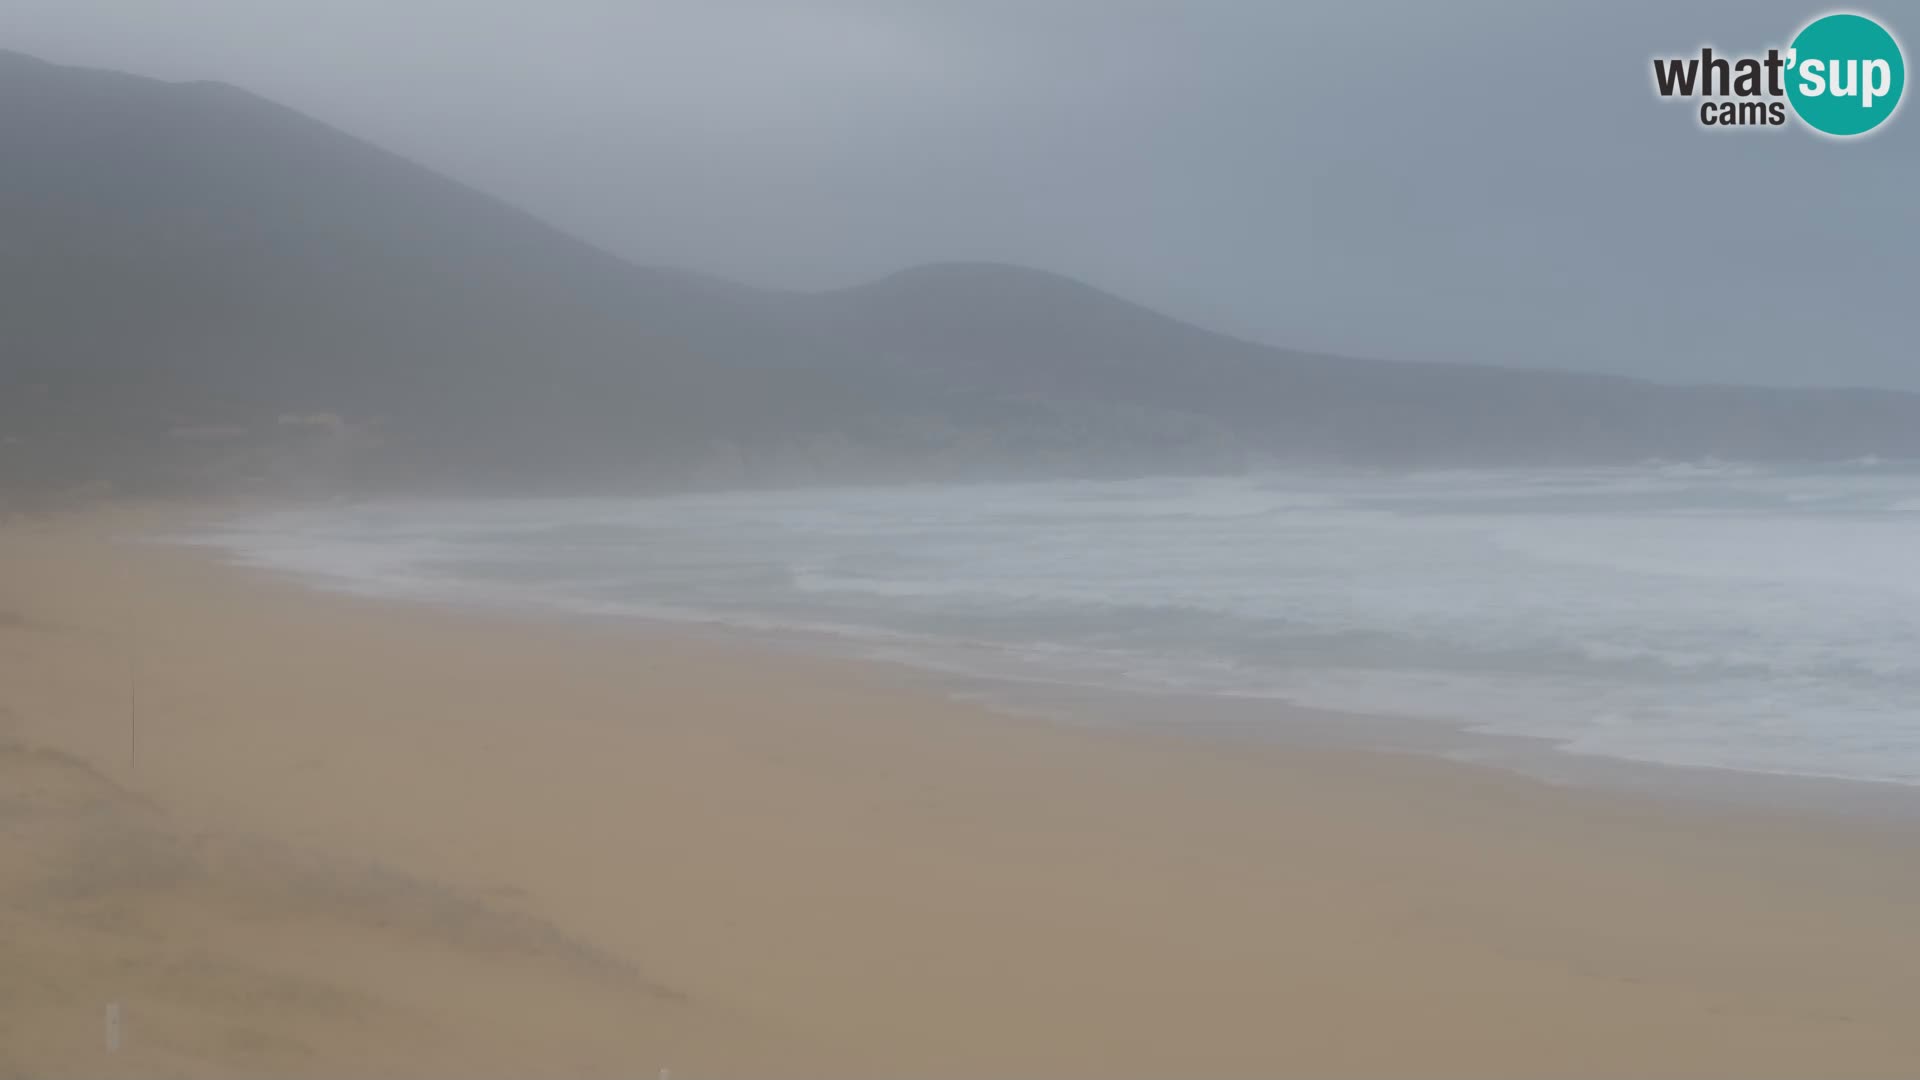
[(1845, 74)]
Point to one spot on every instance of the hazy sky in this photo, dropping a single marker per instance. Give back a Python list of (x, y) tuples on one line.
[(1468, 180)]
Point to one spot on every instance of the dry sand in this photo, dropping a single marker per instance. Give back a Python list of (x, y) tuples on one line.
[(363, 838)]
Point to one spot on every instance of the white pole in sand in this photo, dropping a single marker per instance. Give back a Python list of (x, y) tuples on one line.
[(113, 1027), (133, 708)]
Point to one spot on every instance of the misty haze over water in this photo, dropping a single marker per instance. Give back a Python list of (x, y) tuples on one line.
[(212, 293)]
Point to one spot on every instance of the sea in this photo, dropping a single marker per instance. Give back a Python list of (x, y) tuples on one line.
[(1708, 614)]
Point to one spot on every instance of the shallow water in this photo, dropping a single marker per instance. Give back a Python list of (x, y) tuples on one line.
[(1758, 619)]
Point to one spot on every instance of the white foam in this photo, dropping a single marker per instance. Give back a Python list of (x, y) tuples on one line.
[(1695, 613)]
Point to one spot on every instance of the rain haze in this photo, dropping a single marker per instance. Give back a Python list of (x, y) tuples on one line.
[(1042, 538), (1487, 182)]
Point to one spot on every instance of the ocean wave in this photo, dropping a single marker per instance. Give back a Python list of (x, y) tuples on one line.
[(1720, 613)]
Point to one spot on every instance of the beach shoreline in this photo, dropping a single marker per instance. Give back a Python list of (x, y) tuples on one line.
[(1623, 616), (354, 835), (1078, 701)]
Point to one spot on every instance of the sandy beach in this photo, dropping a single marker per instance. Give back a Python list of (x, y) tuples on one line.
[(353, 837)]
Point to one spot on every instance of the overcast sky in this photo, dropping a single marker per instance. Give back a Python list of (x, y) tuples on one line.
[(1471, 180)]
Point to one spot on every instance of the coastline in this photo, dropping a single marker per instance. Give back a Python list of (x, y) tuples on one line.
[(1534, 634), (360, 835), (945, 668)]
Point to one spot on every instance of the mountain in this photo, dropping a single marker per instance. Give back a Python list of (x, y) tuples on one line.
[(190, 256), (200, 288)]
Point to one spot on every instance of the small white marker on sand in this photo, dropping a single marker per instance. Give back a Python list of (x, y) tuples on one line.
[(113, 1026)]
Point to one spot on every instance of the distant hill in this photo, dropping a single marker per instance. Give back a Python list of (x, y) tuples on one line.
[(200, 288)]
